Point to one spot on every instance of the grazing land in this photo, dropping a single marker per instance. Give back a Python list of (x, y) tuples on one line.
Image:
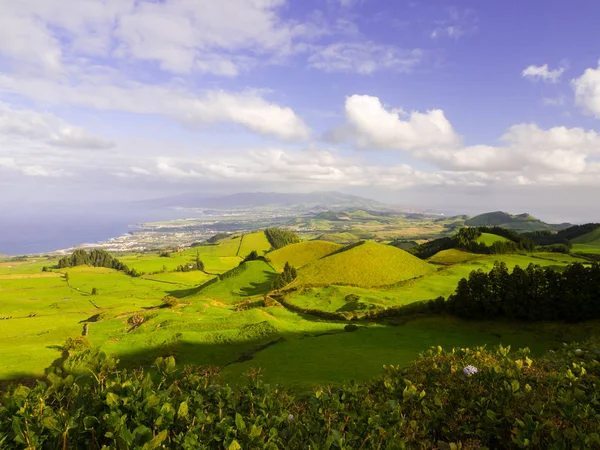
[(224, 314), (301, 254)]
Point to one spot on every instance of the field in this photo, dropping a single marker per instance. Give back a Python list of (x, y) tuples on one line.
[(254, 241), (592, 238), (452, 256), (440, 282), (229, 322), (489, 239), (367, 265), (298, 255)]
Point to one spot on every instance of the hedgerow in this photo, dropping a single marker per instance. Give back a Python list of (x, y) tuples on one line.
[(463, 398)]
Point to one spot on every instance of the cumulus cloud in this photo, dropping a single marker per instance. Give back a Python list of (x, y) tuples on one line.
[(529, 150), (48, 128), (543, 73), (363, 58), (376, 127), (587, 91), (311, 167), (247, 108), (180, 35)]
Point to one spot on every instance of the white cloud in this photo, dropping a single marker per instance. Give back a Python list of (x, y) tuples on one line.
[(554, 101), (543, 73), (529, 150), (48, 128), (587, 91), (179, 35), (309, 168), (363, 57), (35, 170), (456, 24), (374, 126), (247, 108), (451, 31)]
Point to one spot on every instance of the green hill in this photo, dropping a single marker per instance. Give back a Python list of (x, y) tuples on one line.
[(489, 239), (592, 238), (521, 222), (452, 256), (367, 264), (248, 279), (303, 253), (254, 241)]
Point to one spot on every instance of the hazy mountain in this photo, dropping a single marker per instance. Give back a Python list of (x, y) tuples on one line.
[(520, 222), (305, 201)]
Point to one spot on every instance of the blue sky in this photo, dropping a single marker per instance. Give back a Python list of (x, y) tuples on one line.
[(464, 105)]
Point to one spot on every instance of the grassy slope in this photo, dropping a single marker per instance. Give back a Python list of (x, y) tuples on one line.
[(452, 256), (441, 282), (300, 254), (254, 241), (256, 279), (592, 238), (206, 329), (489, 239), (369, 264), (298, 362)]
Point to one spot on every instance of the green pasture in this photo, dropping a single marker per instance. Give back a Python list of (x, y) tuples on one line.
[(299, 255), (489, 239), (368, 264), (441, 281), (226, 324)]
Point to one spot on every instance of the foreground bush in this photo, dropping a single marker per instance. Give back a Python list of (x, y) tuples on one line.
[(464, 398)]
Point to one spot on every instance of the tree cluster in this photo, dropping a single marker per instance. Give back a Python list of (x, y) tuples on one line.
[(196, 264), (564, 237), (466, 239), (533, 294), (280, 238), (288, 275), (95, 258)]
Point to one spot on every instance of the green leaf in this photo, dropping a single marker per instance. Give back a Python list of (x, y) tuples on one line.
[(254, 432), (156, 441), (491, 414), (234, 445), (112, 399), (183, 410), (239, 422)]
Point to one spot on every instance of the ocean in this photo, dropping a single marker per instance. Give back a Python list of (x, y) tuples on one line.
[(41, 231)]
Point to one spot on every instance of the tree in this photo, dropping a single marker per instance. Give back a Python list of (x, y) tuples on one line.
[(252, 256), (288, 275), (169, 302), (94, 291), (199, 263)]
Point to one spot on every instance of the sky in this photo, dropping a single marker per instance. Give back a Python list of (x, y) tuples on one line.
[(464, 106)]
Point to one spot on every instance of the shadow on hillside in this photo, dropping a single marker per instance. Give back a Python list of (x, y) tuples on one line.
[(259, 288), (24, 378)]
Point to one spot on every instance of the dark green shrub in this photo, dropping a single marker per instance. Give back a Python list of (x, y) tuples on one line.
[(76, 344), (169, 302), (463, 398), (351, 327)]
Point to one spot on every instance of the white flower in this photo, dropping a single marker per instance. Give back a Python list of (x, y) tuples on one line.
[(578, 351), (470, 370), (291, 418)]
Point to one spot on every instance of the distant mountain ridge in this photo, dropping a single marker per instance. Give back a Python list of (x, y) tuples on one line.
[(519, 222), (333, 201)]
